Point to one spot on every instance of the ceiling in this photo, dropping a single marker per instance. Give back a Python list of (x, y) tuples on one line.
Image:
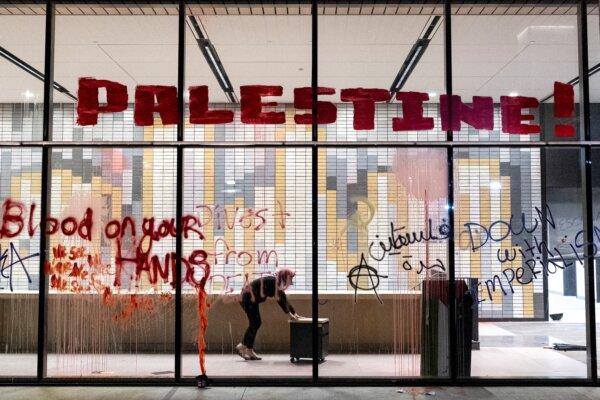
[(290, 7), (493, 54)]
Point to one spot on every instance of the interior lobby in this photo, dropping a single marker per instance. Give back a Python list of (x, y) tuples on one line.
[(401, 194)]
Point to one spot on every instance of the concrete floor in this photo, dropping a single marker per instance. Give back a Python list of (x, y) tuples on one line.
[(508, 349), (488, 362), (294, 393)]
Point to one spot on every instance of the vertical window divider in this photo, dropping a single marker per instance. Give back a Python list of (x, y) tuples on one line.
[(42, 350), (453, 362), (543, 199), (179, 201), (315, 193), (588, 223)]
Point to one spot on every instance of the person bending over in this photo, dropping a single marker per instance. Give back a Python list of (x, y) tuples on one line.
[(257, 292)]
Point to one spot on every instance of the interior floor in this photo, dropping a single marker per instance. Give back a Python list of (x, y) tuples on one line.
[(486, 362)]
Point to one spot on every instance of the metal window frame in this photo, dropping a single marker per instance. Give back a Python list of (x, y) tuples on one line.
[(587, 145)]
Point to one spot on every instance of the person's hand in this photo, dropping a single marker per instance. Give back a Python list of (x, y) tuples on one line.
[(294, 316)]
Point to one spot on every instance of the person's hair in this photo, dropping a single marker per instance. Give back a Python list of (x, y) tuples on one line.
[(282, 276)]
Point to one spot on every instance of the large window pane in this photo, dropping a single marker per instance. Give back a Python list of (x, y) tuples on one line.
[(20, 188), (518, 232), (410, 58), (253, 206), (110, 302), (230, 45), (381, 210), (133, 46), (510, 53), (21, 72), (384, 209)]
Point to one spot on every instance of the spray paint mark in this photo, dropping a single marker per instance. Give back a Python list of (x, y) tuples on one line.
[(199, 258)]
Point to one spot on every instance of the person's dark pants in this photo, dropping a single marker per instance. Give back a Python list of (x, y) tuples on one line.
[(253, 313)]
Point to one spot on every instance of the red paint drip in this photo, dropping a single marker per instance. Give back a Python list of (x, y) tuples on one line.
[(199, 256), (202, 325)]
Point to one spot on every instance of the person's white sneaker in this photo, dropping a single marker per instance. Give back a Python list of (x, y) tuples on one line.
[(243, 351), (253, 355)]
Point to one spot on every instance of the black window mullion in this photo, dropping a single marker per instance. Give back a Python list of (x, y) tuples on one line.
[(45, 188), (587, 200), (315, 194), (452, 337), (179, 201)]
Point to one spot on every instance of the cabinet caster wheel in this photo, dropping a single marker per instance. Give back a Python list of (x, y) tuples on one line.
[(293, 360)]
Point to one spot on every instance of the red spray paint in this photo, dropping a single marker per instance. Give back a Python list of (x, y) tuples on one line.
[(202, 325), (199, 258)]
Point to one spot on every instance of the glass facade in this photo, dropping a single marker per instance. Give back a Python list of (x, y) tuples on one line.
[(427, 171)]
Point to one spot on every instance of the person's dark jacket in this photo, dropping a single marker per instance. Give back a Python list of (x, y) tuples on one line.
[(262, 288)]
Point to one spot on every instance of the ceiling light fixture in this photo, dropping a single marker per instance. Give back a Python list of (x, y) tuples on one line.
[(32, 71), (212, 58), (593, 70), (415, 54)]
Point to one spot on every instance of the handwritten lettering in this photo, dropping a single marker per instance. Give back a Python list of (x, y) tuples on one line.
[(10, 259)]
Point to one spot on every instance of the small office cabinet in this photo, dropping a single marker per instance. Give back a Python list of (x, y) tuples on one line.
[(301, 339)]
